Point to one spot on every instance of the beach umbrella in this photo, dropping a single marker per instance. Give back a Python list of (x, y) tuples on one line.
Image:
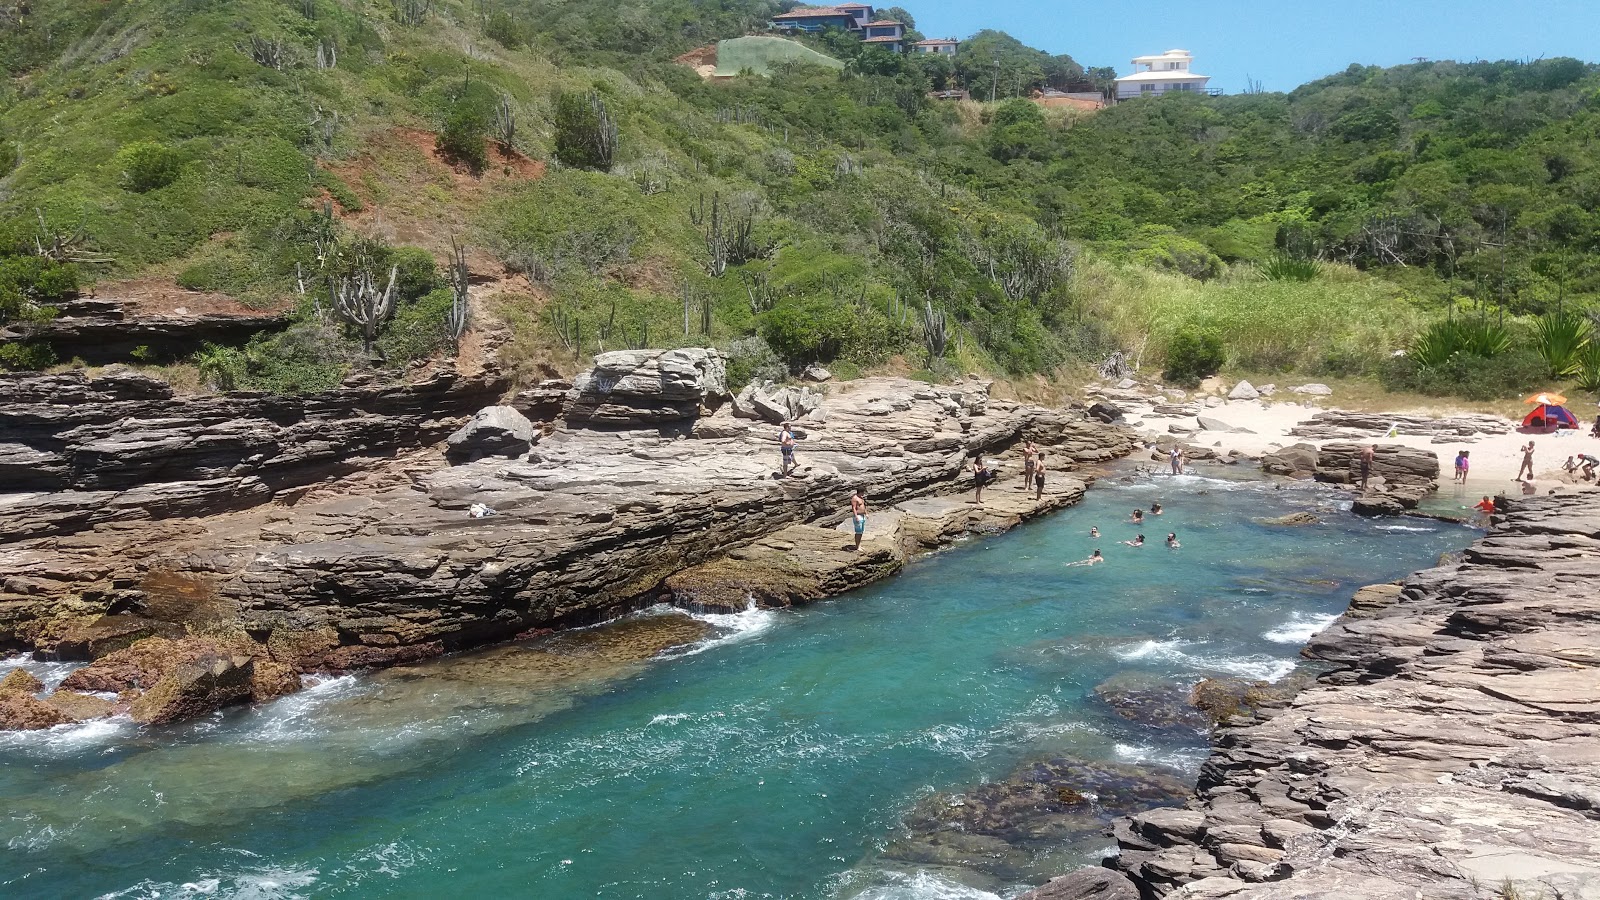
[(1546, 399)]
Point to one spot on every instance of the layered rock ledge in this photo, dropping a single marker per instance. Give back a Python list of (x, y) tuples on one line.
[(1452, 749), (648, 484)]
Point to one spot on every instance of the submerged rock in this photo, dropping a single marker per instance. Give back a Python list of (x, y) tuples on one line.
[(1151, 700), (1294, 518)]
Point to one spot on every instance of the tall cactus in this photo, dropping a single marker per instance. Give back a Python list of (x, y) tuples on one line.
[(456, 320), (357, 300)]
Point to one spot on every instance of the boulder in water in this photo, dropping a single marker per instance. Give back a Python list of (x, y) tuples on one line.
[(20, 683), (1151, 700), (196, 688), (24, 712), (1294, 518)]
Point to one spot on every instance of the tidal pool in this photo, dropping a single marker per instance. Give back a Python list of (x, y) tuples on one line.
[(846, 749)]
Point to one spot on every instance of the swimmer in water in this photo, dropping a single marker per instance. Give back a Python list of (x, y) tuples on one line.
[(1155, 509), (1094, 532), (1094, 558), (1138, 517), (1172, 540), (1136, 542)]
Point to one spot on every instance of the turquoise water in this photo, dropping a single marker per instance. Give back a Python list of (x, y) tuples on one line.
[(776, 755)]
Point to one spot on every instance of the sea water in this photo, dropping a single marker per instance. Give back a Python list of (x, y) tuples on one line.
[(759, 754)]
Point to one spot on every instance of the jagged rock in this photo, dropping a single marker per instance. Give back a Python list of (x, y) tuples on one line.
[(20, 683), (775, 405), (544, 403), (1312, 390), (1297, 461), (21, 712), (1244, 391), (1086, 884), (195, 688), (493, 431), (80, 707), (1105, 412), (107, 634), (816, 373), (1294, 518), (635, 388)]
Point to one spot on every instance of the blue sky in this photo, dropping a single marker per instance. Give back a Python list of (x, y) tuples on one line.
[(1281, 44)]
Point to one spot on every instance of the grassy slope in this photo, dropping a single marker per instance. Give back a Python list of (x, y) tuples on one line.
[(758, 54)]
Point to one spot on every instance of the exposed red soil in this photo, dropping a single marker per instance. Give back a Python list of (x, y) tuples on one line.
[(155, 296)]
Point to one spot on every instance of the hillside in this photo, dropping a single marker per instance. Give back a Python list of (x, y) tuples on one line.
[(608, 197)]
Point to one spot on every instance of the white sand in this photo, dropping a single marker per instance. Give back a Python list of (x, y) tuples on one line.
[(1494, 458)]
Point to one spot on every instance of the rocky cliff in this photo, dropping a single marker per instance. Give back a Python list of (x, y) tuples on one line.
[(1450, 750), (633, 493)]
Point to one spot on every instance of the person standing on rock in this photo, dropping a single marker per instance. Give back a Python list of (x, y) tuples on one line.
[(786, 444), (980, 477), (1367, 454), (1030, 459), (1176, 456), (1038, 478), (1527, 463), (858, 515)]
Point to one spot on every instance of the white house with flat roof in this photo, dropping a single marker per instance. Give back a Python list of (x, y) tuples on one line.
[(1156, 75)]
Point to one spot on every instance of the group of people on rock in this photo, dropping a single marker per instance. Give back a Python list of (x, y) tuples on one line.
[(1136, 541)]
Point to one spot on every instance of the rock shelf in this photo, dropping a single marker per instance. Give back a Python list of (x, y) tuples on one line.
[(1452, 749), (391, 560)]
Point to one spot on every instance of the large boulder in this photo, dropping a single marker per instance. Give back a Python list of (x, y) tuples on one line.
[(1244, 391), (545, 402), (1312, 390), (1297, 461), (493, 431), (1339, 462), (195, 689), (643, 388), (20, 683), (1091, 883), (21, 712), (1105, 412), (105, 635)]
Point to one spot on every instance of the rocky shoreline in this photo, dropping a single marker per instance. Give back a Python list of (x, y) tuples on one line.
[(1451, 749), (333, 532)]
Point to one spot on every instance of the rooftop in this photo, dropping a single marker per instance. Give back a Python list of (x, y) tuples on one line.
[(935, 41), (882, 23), (882, 39), (811, 12), (1164, 76)]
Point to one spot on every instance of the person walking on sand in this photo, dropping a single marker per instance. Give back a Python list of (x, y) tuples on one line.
[(1038, 478), (1176, 456), (1030, 459), (1466, 464), (786, 444), (1461, 467), (1527, 463), (1367, 453), (858, 516)]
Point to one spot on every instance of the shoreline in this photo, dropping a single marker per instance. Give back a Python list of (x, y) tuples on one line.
[(1449, 747)]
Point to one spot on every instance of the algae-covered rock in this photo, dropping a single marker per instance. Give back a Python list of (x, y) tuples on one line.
[(20, 683)]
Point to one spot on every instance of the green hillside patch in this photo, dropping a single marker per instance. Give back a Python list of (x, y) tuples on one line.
[(760, 54)]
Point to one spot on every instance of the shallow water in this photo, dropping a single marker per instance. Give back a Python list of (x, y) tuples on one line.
[(763, 754)]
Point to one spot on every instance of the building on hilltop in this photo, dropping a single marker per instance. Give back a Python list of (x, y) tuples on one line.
[(942, 46), (1156, 75), (885, 33), (850, 17)]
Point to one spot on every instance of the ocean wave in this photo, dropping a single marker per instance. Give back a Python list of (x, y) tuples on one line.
[(296, 717), (1257, 666), (731, 628), (1411, 528), (66, 739), (261, 884), (919, 885), (1299, 628)]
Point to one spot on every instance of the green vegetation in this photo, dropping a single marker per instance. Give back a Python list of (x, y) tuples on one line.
[(828, 211)]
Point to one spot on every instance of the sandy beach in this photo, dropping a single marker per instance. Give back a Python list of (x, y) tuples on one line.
[(1265, 425)]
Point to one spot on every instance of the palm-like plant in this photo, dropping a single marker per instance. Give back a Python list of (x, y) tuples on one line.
[(1288, 267), (1468, 337), (1560, 337), (1587, 367)]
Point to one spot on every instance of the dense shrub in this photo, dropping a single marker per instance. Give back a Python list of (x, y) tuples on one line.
[(148, 165), (463, 139), (418, 329), (1193, 354), (1510, 374), (750, 359), (308, 357), (28, 356), (808, 331), (586, 134), (417, 274)]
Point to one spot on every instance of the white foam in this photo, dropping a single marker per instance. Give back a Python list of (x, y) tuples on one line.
[(1186, 761), (1259, 667), (1299, 629), (920, 885), (294, 717), (67, 739), (262, 884), (51, 673), (731, 628), (1411, 528)]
